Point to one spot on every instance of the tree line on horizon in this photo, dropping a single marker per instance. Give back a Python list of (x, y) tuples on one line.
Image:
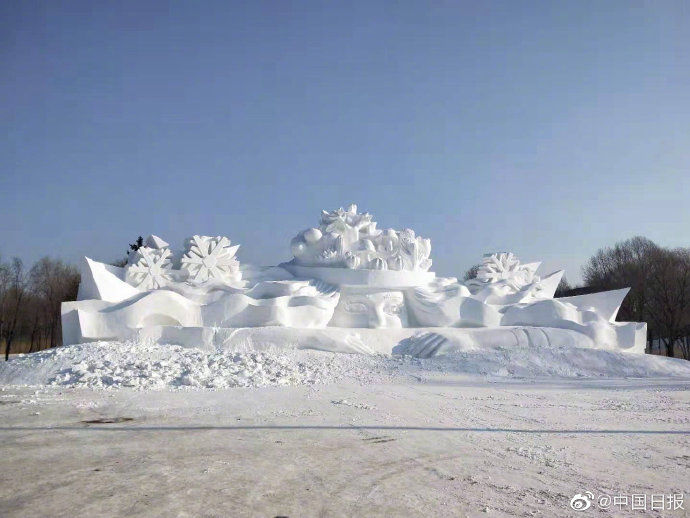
[(30, 303), (30, 299), (658, 278)]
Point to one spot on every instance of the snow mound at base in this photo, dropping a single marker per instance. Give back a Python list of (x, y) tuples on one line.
[(436, 352), (556, 363), (154, 366)]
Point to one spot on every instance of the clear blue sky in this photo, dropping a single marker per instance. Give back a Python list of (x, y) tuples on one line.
[(547, 128)]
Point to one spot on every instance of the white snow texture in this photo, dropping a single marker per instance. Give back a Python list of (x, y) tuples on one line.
[(155, 366)]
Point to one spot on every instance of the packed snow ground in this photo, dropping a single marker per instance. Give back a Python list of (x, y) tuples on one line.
[(492, 432), (154, 366), (444, 445)]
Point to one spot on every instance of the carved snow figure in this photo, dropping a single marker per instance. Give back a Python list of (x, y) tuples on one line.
[(501, 279), (350, 287), (366, 308), (150, 268), (415, 251), (348, 223), (211, 258)]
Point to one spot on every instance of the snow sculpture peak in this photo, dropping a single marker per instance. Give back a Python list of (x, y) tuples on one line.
[(346, 238), (210, 258), (153, 241)]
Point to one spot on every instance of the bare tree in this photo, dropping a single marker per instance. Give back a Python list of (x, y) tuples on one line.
[(685, 345), (13, 291), (4, 289), (33, 322), (659, 282), (668, 281), (53, 282), (625, 265)]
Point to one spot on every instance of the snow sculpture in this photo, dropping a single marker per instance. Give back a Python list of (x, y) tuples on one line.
[(505, 267), (350, 287), (155, 242), (348, 239), (285, 303), (102, 282), (150, 268), (372, 268), (211, 258)]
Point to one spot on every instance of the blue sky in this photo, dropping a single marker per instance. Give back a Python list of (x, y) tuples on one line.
[(546, 128)]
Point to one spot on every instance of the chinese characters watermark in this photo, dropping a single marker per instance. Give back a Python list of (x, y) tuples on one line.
[(631, 502)]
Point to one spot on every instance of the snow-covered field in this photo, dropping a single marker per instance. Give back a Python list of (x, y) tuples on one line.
[(496, 432)]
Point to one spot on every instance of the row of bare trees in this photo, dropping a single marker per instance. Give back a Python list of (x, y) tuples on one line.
[(30, 303), (659, 282)]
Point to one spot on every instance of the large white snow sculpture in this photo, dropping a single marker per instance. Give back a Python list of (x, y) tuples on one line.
[(350, 287)]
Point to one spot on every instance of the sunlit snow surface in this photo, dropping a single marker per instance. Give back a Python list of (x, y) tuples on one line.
[(154, 366)]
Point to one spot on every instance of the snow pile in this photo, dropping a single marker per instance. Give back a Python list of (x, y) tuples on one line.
[(153, 366)]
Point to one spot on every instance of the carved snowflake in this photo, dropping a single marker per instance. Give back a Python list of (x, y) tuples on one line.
[(150, 269), (211, 258), (504, 267)]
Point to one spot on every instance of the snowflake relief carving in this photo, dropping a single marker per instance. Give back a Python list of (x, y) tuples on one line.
[(150, 269), (211, 258), (505, 267)]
